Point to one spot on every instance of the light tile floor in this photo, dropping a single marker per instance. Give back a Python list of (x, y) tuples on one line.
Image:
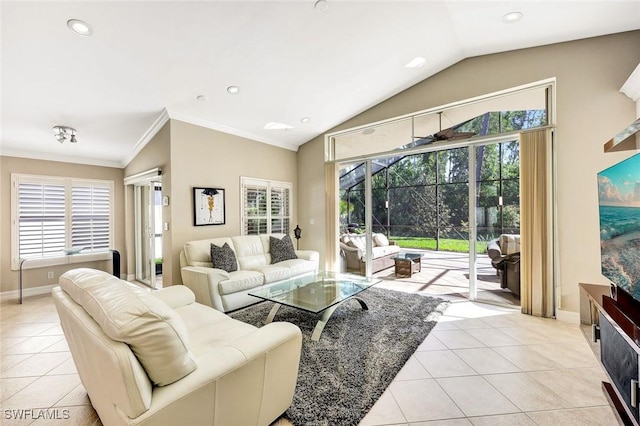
[(39, 384), (489, 365), (482, 365)]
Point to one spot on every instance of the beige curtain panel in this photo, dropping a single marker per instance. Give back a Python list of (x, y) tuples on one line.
[(536, 223)]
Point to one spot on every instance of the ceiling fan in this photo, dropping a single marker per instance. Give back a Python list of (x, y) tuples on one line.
[(446, 134)]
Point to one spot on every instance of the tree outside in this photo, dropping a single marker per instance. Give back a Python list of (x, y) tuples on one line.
[(422, 199)]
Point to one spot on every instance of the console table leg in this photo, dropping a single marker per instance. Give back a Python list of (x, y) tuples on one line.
[(20, 281)]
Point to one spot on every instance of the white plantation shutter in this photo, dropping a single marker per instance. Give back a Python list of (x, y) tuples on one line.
[(90, 217), (53, 213), (280, 210), (41, 219), (266, 206), (255, 209)]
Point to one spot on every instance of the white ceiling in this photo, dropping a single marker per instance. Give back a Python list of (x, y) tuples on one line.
[(149, 60)]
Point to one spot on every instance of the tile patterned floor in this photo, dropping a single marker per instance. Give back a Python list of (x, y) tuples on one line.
[(482, 365), (489, 365), (39, 384)]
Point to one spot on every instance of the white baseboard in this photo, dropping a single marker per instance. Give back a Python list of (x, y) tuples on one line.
[(26, 292), (568, 316)]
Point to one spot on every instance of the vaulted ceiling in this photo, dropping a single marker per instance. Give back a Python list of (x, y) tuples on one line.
[(296, 63)]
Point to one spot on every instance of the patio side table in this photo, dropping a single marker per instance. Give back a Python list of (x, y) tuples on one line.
[(407, 263)]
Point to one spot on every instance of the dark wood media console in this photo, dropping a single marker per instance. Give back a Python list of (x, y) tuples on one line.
[(615, 319)]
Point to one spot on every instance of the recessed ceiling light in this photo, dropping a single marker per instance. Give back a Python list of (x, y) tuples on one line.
[(202, 98), (416, 62), (368, 131), (233, 90), (273, 125), (79, 27), (305, 120), (512, 17)]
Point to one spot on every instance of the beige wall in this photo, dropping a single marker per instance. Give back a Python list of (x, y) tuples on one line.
[(590, 110), (156, 153), (208, 158), (38, 277)]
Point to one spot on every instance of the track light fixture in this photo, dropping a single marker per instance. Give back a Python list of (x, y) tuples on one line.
[(63, 132)]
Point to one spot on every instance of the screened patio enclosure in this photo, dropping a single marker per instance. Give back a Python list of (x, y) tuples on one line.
[(443, 181), (422, 199)]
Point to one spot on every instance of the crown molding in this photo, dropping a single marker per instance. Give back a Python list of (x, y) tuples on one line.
[(631, 87), (227, 129), (162, 119), (167, 115), (34, 155)]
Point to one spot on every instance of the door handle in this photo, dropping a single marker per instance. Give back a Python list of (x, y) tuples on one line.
[(634, 393)]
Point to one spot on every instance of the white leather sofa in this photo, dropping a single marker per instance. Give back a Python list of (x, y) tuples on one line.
[(227, 291), (159, 358)]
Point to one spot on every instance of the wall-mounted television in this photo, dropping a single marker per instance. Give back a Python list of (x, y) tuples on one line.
[(619, 203)]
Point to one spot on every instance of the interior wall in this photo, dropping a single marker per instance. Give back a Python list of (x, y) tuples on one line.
[(590, 110), (38, 276), (156, 153), (202, 157)]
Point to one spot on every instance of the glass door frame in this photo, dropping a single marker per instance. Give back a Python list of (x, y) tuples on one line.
[(144, 196), (148, 180), (473, 231), (472, 189), (473, 207)]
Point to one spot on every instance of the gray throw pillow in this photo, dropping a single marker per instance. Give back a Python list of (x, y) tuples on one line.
[(223, 258), (281, 249)]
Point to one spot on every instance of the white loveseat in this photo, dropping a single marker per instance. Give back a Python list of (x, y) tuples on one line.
[(227, 291), (159, 358)]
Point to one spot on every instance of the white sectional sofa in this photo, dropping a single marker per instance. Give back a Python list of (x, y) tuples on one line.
[(159, 358), (227, 291)]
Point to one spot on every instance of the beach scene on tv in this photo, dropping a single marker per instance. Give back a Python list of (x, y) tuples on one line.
[(619, 198)]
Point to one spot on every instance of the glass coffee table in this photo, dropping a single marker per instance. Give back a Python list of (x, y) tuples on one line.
[(323, 292)]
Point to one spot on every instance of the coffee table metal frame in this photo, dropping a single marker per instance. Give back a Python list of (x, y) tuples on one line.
[(323, 292)]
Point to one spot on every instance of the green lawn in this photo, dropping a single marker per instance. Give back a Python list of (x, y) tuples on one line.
[(461, 246)]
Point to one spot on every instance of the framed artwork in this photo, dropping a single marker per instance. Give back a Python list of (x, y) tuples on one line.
[(208, 206)]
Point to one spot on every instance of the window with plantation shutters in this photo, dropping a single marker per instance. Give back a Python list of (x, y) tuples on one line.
[(255, 209), (50, 214), (280, 210), (41, 219), (266, 206), (90, 213)]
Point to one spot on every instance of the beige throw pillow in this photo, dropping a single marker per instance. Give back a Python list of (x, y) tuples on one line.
[(380, 240), (510, 243), (357, 241)]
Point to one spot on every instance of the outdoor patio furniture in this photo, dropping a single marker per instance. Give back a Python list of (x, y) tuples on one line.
[(353, 248), (504, 252), (407, 263)]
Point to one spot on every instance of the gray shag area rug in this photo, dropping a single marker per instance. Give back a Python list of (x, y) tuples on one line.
[(359, 352)]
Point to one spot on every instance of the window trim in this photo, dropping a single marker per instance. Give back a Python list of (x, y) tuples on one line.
[(62, 259), (269, 184)]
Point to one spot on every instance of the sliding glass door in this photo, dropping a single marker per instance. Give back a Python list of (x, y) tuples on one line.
[(148, 232), (497, 212)]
